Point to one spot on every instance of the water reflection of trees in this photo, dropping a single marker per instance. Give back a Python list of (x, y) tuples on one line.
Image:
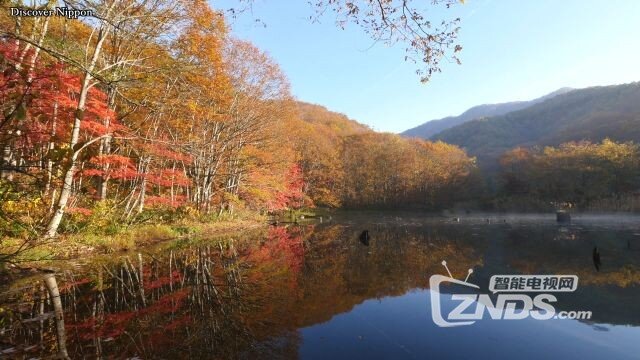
[(568, 250), (226, 298), (611, 293), (247, 297), (187, 303)]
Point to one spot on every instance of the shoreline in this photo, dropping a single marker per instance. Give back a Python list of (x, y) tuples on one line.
[(65, 248), (137, 237)]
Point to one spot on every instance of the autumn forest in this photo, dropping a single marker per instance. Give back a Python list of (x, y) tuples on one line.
[(319, 179), (154, 112), (128, 118)]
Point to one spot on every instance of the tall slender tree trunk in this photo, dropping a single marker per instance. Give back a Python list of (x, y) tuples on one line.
[(143, 192), (51, 147), (5, 167), (65, 192), (105, 146)]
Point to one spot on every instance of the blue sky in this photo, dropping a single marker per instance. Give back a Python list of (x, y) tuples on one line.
[(512, 50)]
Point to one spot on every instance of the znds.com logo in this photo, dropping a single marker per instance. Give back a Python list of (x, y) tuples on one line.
[(513, 306)]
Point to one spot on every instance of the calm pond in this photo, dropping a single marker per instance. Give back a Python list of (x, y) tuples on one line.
[(322, 290)]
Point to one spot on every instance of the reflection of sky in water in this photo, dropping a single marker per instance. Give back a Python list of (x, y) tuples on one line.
[(318, 292), (401, 327)]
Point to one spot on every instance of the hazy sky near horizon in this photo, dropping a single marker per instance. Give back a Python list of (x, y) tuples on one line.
[(512, 50)]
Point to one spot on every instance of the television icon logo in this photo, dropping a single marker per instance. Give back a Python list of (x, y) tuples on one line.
[(436, 306), (512, 298)]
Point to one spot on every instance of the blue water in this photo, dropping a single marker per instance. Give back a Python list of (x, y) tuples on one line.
[(401, 328)]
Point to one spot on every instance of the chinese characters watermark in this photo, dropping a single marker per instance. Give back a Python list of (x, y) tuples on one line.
[(512, 299)]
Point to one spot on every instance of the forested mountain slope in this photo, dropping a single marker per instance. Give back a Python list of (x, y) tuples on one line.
[(586, 114), (321, 116), (433, 127)]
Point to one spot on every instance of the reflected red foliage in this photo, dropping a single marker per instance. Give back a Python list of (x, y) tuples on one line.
[(176, 276), (114, 324), (282, 243)]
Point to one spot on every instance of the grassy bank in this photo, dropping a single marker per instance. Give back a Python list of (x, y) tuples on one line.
[(104, 232), (138, 236), (129, 238)]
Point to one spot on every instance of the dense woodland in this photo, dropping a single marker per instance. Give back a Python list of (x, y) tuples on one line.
[(151, 120), (579, 174), (153, 111)]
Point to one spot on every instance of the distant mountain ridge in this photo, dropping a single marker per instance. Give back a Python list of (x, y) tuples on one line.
[(433, 127), (585, 114)]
